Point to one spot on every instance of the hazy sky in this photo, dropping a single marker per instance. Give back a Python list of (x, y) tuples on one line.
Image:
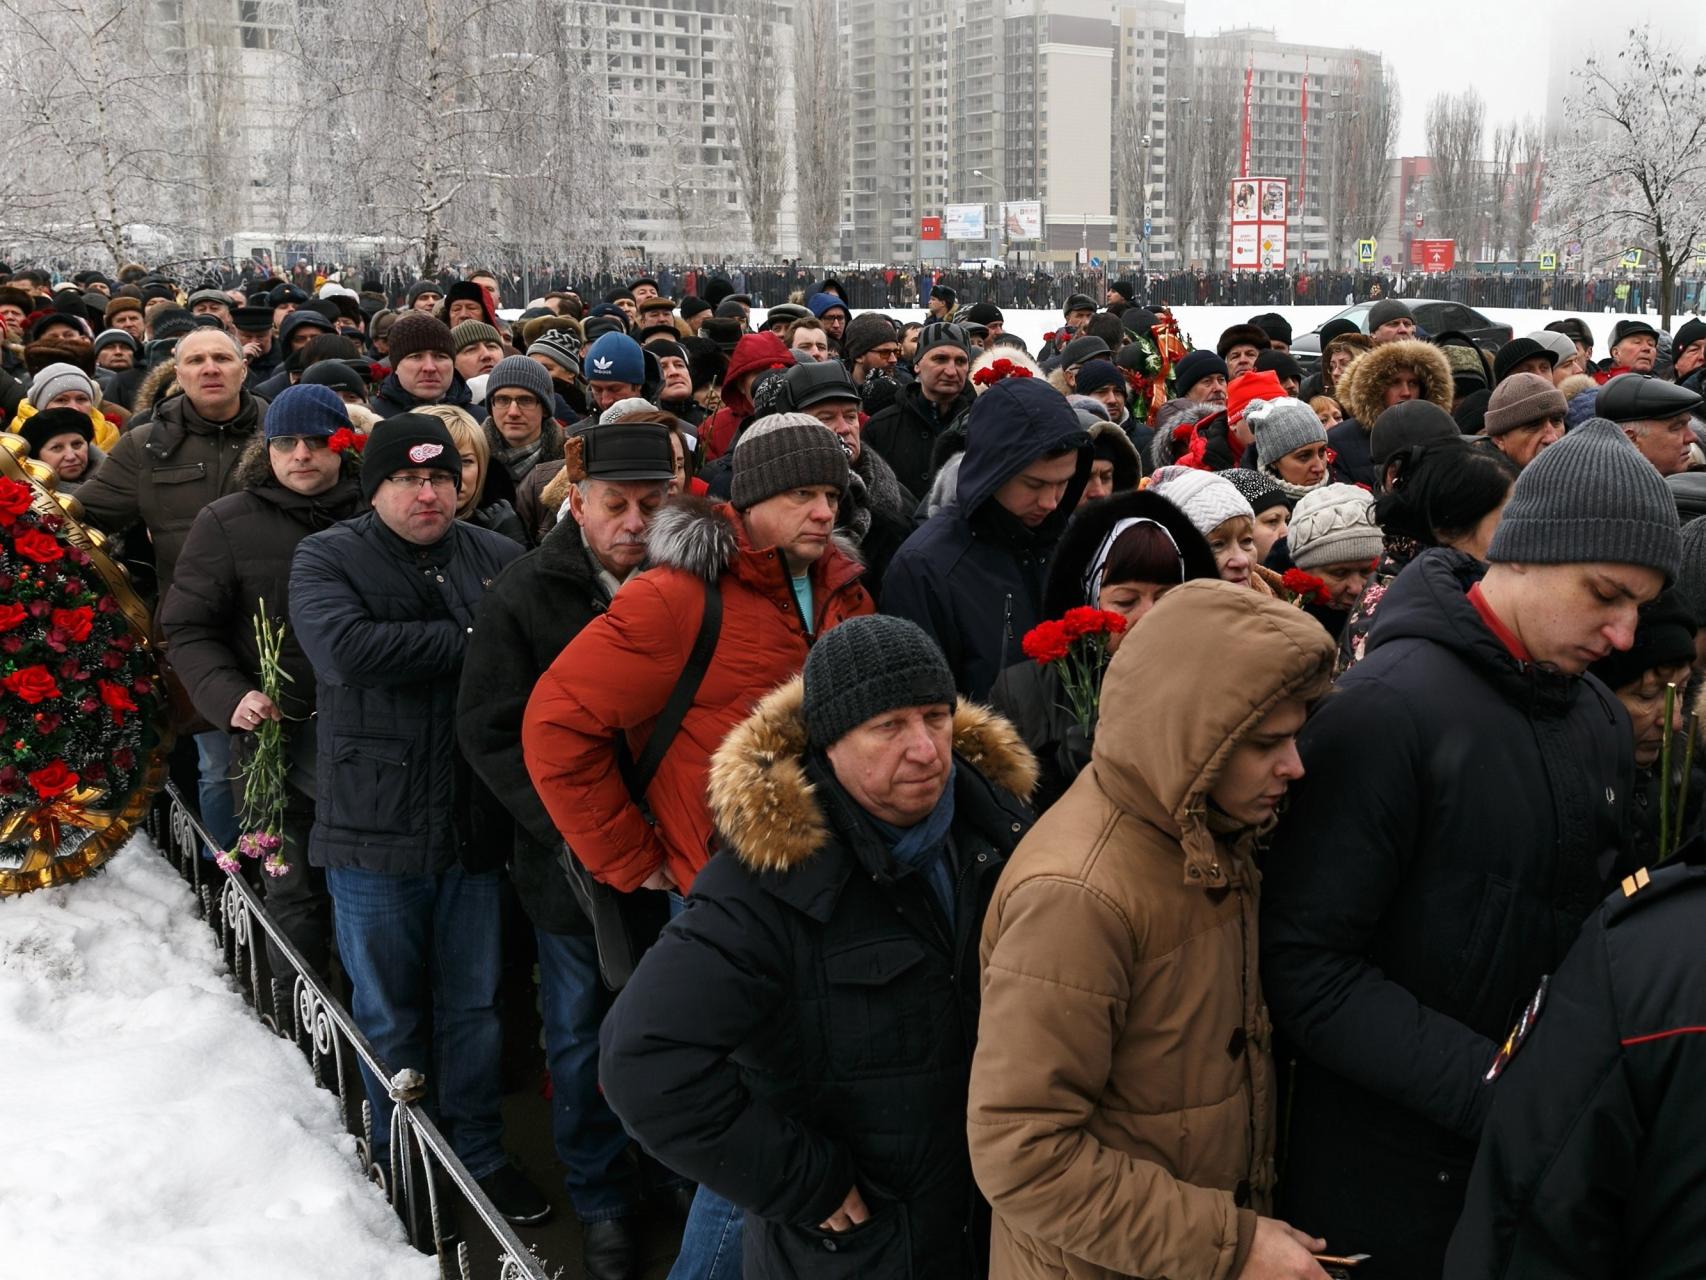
[(1502, 48)]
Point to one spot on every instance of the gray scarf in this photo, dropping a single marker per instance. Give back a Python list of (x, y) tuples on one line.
[(521, 459)]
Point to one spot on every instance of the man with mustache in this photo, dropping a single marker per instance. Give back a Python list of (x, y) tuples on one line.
[(620, 474)]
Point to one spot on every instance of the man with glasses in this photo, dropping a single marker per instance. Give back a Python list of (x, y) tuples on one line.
[(519, 427), (906, 432), (383, 605)]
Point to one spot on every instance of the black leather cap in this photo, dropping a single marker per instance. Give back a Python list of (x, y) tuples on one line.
[(809, 384), (1079, 350), (1640, 397)]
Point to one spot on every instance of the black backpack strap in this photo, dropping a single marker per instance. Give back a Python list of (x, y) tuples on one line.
[(681, 697)]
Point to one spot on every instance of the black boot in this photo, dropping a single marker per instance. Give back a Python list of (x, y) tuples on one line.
[(609, 1250), (517, 1199)]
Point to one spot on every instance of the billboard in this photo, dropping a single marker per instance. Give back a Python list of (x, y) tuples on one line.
[(1022, 219), (929, 228), (1433, 255), (1258, 224), (964, 222)]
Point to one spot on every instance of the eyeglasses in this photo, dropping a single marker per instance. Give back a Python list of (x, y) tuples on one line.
[(287, 444), (523, 401), (439, 480)]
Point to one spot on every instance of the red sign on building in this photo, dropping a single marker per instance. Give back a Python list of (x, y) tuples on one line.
[(1433, 255), (929, 228)]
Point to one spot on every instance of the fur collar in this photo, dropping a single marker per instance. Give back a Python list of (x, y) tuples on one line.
[(160, 382), (701, 538), (767, 809)]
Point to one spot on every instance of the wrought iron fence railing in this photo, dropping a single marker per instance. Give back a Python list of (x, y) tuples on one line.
[(297, 1006)]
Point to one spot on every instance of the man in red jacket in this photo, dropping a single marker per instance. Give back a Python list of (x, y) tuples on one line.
[(783, 580)]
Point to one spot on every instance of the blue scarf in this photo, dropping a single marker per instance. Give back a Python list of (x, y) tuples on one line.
[(924, 846)]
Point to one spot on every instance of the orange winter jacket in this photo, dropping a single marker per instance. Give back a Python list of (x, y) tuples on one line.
[(617, 674)]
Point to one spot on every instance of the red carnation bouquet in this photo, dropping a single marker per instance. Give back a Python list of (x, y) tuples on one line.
[(1305, 587), (1076, 646), (78, 693), (996, 370)]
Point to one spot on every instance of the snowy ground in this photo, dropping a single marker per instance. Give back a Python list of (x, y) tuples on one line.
[(1203, 325), (152, 1127)]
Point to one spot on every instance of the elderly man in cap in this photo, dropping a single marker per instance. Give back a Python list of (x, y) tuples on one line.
[(1634, 349), (620, 475), (1465, 799), (383, 605), (1656, 415), (1688, 354), (1390, 321), (1525, 414), (800, 1038)]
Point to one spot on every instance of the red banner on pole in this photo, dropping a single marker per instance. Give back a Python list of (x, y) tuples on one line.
[(1249, 79)]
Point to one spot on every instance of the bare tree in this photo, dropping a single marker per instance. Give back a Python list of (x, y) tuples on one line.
[(1362, 136), (1131, 157), (1634, 172), (1183, 136), (1219, 106), (1530, 179), (820, 126), (763, 149), (1454, 130), (1502, 198)]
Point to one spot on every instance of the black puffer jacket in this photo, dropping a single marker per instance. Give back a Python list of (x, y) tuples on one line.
[(162, 473), (905, 434), (385, 624), (391, 399), (807, 1024), (1460, 817), (1591, 1165), (236, 557), (972, 576), (533, 610)]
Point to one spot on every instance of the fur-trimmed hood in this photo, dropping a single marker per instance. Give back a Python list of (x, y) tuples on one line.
[(1362, 386), (765, 806), (160, 382), (706, 538)]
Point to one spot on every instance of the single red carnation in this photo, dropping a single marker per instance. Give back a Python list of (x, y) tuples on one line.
[(1046, 642)]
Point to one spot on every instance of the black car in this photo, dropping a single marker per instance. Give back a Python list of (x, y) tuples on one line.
[(1431, 317)]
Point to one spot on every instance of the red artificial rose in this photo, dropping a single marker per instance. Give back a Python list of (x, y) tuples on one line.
[(1046, 642), (41, 547), (76, 623), (124, 758), (14, 500), (12, 614), (54, 780), (31, 684), (117, 699)]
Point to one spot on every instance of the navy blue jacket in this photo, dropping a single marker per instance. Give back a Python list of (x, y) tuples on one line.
[(391, 399), (972, 576), (385, 624)]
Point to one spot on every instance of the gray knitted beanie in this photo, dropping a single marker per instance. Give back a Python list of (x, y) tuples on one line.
[(1334, 525), (1282, 427), (1691, 577), (520, 374), (1590, 497), (866, 666), (781, 452)]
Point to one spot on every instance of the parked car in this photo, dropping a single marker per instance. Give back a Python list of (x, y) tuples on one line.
[(1432, 317)]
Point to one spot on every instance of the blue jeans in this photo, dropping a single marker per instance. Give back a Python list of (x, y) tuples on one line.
[(215, 792), (710, 1242), (422, 955), (589, 1138)]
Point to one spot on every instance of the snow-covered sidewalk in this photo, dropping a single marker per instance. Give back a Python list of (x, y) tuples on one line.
[(152, 1127)]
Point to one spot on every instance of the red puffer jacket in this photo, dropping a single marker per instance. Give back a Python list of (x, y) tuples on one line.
[(754, 353), (616, 675)]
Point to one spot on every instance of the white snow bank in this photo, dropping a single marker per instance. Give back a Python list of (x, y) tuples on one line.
[(151, 1126)]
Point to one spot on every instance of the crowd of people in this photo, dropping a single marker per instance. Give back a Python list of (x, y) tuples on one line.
[(1111, 810)]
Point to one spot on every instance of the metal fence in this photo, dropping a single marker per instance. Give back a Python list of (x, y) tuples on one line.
[(296, 1005)]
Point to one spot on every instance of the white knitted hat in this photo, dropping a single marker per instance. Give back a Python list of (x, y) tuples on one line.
[(1208, 500), (1334, 525)]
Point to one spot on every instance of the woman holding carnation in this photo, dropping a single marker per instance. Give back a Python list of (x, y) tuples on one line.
[(1119, 555), (298, 479)]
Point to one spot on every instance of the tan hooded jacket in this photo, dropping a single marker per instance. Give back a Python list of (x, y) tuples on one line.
[(1121, 1110)]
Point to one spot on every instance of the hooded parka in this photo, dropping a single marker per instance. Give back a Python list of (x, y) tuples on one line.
[(1122, 1110), (806, 1025), (617, 674), (1362, 390)]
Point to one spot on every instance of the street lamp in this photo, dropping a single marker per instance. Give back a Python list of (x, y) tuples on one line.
[(1148, 189), (999, 240)]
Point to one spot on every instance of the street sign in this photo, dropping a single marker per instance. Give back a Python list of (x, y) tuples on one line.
[(1418, 219), (1095, 262), (1147, 226), (1632, 259), (1386, 261), (1365, 250), (1573, 249), (1433, 255), (1548, 262), (929, 228)]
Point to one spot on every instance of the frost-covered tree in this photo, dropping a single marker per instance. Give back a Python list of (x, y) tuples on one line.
[(763, 146), (1632, 173)]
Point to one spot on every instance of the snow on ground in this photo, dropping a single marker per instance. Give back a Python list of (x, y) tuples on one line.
[(153, 1128), (1203, 325)]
